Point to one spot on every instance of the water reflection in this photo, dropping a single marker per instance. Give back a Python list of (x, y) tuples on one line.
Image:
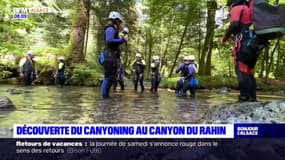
[(187, 110)]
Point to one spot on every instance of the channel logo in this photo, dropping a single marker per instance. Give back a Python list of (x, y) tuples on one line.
[(247, 131), (22, 13)]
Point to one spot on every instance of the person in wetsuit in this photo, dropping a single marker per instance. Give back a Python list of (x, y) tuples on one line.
[(120, 78), (182, 82), (112, 51), (27, 69), (60, 76), (246, 48), (138, 70), (155, 75)]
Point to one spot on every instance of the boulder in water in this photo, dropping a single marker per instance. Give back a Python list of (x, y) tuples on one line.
[(13, 91), (6, 104)]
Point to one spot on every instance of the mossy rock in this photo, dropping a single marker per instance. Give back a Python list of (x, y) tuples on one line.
[(85, 75), (46, 75), (6, 104)]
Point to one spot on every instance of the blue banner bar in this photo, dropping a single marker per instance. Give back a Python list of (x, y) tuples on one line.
[(259, 130)]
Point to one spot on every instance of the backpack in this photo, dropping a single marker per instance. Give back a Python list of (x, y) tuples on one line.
[(268, 20), (101, 58)]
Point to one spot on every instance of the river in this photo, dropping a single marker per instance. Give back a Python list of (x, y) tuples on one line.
[(83, 105)]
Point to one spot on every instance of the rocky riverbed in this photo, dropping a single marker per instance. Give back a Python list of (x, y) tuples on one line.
[(249, 112)]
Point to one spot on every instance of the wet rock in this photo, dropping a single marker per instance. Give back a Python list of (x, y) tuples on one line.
[(249, 112), (223, 90), (13, 91), (6, 104)]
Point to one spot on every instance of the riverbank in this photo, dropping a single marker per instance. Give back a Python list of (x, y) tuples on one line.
[(213, 83), (217, 82)]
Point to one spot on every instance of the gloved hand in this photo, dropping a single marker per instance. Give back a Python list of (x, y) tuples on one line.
[(126, 37)]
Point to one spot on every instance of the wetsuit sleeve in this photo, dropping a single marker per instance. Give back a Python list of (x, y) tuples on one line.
[(179, 68), (191, 71), (122, 72), (110, 37), (235, 13)]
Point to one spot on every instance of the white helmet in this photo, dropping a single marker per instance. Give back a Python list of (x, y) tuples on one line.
[(61, 58), (191, 57), (155, 58), (31, 53), (138, 55), (185, 58), (115, 15)]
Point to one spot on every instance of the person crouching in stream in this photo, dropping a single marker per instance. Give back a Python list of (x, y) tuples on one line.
[(187, 72)]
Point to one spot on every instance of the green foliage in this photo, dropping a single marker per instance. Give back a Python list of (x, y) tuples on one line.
[(57, 34), (217, 82), (169, 82), (3, 72), (155, 29), (204, 82), (86, 74)]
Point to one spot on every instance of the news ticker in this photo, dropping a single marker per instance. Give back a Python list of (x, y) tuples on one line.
[(138, 149), (205, 131)]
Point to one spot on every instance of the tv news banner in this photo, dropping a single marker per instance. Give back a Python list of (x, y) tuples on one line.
[(108, 139)]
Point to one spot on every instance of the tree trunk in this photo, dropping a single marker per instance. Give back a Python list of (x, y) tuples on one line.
[(77, 36), (277, 69), (150, 44), (263, 62), (271, 59), (230, 68), (266, 58), (209, 59), (199, 36), (87, 28), (179, 49), (163, 59), (205, 62)]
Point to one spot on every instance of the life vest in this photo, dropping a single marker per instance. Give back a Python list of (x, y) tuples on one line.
[(26, 65), (111, 54), (185, 70), (139, 68), (61, 66), (113, 47), (242, 16), (154, 68)]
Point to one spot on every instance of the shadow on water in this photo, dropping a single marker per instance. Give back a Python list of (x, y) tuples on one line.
[(48, 104)]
